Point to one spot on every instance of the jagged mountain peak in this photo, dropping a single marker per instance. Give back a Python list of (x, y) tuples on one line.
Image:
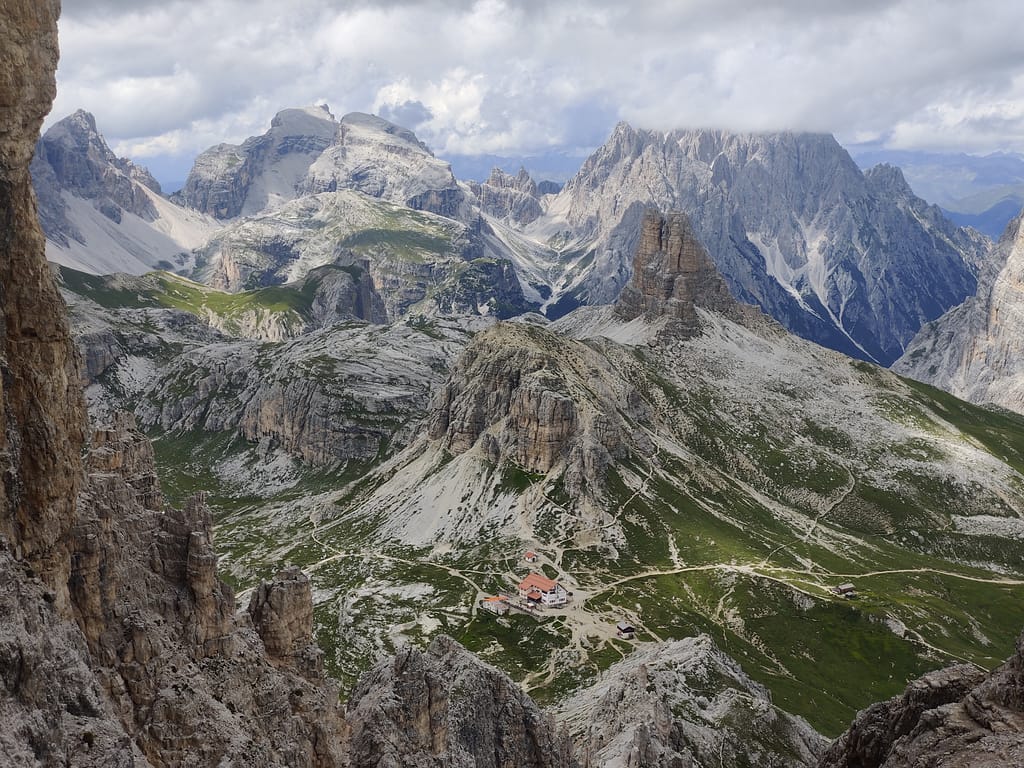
[(78, 152), (889, 177), (102, 213), (521, 180), (453, 710), (378, 158), (515, 199), (790, 221), (79, 123), (77, 135), (264, 171)]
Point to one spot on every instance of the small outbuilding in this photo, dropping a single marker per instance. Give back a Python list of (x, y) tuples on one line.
[(496, 604), (530, 557), (845, 590)]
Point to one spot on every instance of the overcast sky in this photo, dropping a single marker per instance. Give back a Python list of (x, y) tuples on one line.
[(168, 78)]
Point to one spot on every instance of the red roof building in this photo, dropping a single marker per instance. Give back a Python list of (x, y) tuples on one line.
[(547, 591)]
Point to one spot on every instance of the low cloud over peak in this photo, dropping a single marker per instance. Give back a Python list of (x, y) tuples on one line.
[(511, 78)]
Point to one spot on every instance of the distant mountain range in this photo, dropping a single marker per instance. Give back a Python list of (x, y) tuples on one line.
[(853, 261), (984, 192)]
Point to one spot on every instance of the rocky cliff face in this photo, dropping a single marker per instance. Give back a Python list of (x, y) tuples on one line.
[(416, 261), (512, 198), (264, 172), (444, 708), (306, 152), (517, 398), (119, 645), (673, 276), (43, 412), (975, 349), (685, 703), (332, 395), (380, 159), (186, 678), (323, 297), (790, 222), (956, 717)]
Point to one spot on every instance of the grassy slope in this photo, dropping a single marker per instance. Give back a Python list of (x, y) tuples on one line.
[(170, 291), (734, 568)]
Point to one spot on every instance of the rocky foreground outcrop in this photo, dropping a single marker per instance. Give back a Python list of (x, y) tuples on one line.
[(685, 703), (189, 681), (43, 413), (118, 645), (443, 708), (955, 718)]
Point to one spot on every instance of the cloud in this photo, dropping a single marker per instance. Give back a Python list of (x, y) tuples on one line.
[(519, 78), (408, 114)]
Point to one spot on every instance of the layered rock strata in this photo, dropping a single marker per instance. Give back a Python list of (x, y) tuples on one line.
[(673, 276), (524, 395), (443, 708)]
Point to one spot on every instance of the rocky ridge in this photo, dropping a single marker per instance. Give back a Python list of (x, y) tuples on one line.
[(306, 152), (974, 350), (187, 679), (345, 392), (449, 710), (323, 297), (516, 396)]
